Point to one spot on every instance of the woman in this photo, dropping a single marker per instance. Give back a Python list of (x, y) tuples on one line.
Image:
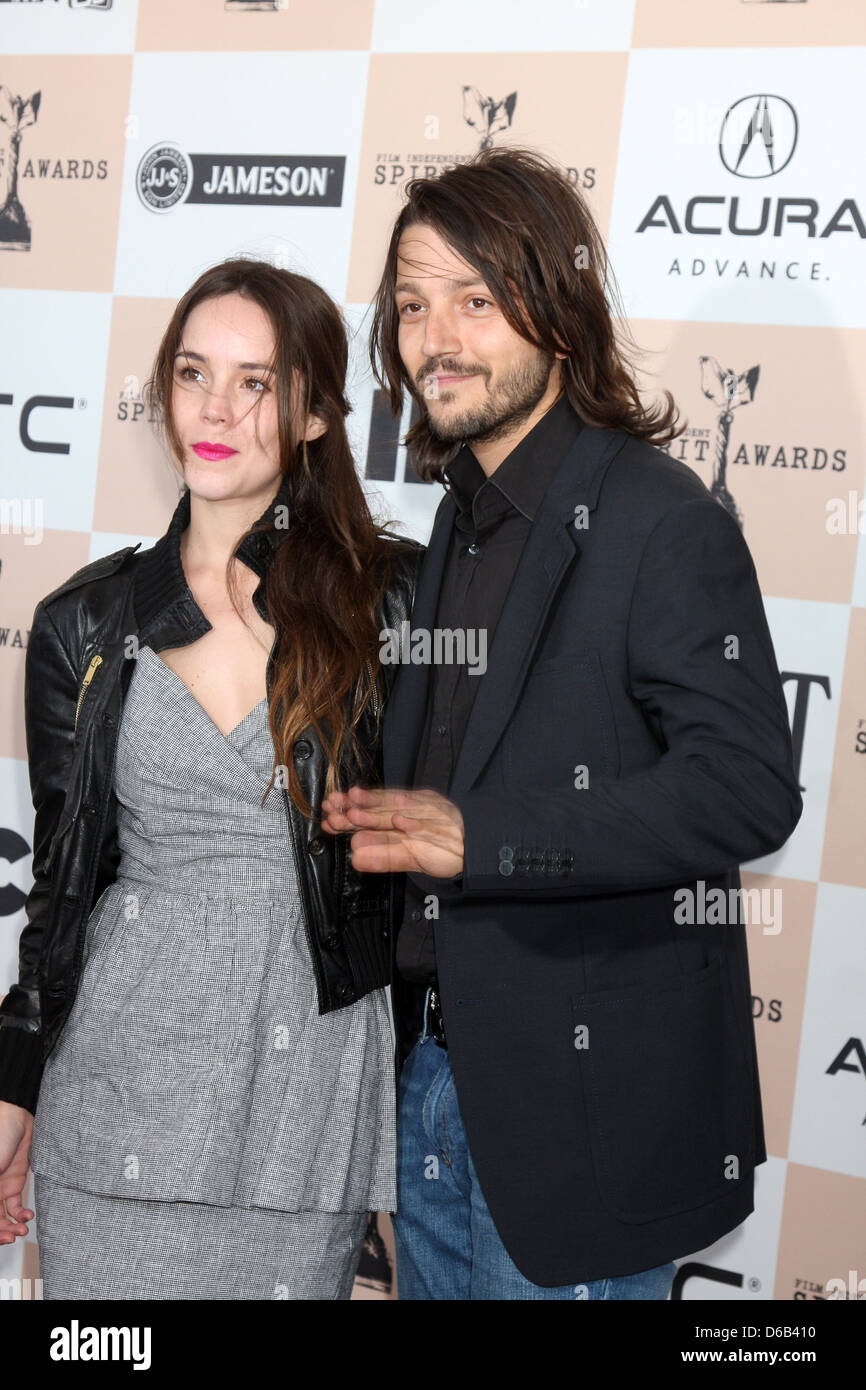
[(216, 1111)]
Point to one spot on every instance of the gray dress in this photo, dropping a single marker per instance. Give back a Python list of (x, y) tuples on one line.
[(201, 1130)]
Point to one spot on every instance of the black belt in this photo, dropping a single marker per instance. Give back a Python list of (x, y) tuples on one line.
[(433, 1023)]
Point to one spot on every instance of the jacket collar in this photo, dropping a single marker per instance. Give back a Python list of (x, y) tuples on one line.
[(166, 613)]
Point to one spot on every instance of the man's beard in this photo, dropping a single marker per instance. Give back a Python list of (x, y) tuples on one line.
[(515, 397)]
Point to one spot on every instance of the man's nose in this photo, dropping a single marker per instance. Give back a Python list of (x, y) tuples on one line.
[(441, 338)]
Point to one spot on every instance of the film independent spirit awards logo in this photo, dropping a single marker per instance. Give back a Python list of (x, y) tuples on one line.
[(488, 117), (167, 177)]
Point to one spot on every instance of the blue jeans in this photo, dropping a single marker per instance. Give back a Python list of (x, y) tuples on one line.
[(447, 1245)]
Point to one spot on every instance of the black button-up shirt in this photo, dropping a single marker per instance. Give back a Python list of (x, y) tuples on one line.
[(494, 516)]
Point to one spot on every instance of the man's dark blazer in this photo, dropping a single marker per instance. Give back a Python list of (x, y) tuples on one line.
[(603, 1050)]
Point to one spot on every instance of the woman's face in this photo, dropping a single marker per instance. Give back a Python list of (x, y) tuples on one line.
[(224, 400)]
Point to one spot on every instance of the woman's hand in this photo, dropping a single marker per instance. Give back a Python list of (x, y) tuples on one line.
[(16, 1129)]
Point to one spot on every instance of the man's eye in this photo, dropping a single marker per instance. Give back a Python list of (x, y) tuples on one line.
[(409, 305), (479, 299)]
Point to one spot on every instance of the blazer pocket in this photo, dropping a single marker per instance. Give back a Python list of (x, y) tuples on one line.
[(666, 1092), (562, 722)]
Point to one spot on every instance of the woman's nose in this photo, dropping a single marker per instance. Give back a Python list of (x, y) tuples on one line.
[(215, 409)]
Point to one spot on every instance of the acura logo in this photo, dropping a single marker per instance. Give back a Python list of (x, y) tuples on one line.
[(759, 136)]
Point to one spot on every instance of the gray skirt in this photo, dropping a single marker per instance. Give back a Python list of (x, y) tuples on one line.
[(95, 1247)]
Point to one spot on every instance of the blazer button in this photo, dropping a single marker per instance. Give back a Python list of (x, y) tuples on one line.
[(317, 844), (506, 867), (303, 748), (416, 915), (332, 941)]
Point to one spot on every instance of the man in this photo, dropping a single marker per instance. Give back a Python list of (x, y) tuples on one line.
[(579, 1099)]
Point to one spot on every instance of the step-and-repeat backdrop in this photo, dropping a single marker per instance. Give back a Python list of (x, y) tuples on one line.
[(721, 148)]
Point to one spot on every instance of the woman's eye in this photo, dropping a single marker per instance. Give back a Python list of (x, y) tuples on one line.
[(182, 373), (256, 382)]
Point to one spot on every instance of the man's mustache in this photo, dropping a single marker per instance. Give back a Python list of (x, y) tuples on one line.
[(452, 368)]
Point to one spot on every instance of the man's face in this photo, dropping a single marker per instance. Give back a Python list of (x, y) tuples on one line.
[(476, 378)]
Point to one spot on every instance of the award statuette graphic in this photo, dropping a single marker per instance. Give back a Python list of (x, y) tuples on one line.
[(726, 390), (486, 115), (15, 114)]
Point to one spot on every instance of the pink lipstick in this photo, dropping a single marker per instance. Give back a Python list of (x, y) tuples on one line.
[(212, 452)]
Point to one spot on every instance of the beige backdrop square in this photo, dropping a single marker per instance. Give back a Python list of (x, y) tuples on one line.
[(845, 838), (778, 967), (568, 105), (137, 486), (823, 1233), (747, 23), (806, 397), (79, 133)]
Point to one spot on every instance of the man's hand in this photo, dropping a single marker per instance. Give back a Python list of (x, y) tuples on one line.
[(398, 831)]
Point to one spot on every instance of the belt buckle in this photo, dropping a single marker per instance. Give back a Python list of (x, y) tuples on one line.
[(436, 1026)]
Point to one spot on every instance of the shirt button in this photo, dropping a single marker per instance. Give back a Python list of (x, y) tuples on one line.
[(303, 748), (474, 549), (416, 915), (316, 845), (345, 994), (442, 729), (332, 941), (262, 546)]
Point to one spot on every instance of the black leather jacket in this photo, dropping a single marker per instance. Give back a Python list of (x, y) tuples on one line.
[(77, 673)]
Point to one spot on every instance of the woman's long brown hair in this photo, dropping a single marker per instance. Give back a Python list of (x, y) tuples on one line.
[(333, 562), (514, 216)]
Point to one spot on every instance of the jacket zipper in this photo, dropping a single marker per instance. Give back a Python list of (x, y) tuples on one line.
[(95, 663), (375, 693)]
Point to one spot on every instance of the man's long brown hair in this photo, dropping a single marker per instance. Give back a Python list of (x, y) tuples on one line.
[(333, 561), (513, 215)]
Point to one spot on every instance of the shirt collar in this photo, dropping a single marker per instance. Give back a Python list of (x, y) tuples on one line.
[(524, 476)]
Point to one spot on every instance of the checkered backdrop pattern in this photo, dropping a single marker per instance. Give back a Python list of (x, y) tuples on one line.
[(719, 146)]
